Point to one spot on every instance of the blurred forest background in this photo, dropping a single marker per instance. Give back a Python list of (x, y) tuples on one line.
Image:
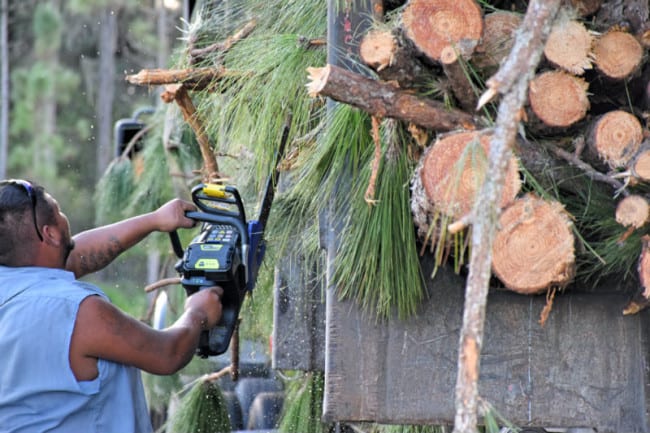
[(63, 87)]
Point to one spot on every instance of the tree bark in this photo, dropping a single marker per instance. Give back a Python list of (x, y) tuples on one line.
[(586, 7), (385, 99), (460, 81), (512, 80), (179, 94), (534, 246), (498, 38), (192, 78)]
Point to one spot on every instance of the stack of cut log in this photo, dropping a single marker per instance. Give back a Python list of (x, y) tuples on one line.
[(586, 102)]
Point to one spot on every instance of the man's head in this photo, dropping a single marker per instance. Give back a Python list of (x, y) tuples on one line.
[(33, 231)]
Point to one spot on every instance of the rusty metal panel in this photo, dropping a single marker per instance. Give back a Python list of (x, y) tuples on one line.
[(585, 368)]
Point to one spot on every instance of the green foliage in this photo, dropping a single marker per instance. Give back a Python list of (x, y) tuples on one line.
[(47, 28), (113, 190), (378, 263), (201, 410), (303, 404)]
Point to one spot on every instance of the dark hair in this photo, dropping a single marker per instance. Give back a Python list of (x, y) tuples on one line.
[(17, 231)]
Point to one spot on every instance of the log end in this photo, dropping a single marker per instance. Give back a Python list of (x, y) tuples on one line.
[(617, 54), (534, 246), (641, 165), (558, 99), (433, 25), (377, 49), (633, 211), (616, 137), (453, 172), (569, 47), (317, 80)]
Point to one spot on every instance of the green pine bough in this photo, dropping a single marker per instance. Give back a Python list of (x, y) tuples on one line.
[(201, 410), (378, 263), (303, 405)]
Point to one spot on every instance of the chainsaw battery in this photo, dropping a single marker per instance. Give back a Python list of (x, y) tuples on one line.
[(212, 258)]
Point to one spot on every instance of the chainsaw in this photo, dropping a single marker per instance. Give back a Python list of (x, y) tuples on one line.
[(227, 252)]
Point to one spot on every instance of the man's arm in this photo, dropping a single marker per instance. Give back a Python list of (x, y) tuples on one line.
[(95, 249), (102, 331)]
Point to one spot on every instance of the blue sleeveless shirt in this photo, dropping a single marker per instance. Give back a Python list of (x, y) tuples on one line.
[(38, 390)]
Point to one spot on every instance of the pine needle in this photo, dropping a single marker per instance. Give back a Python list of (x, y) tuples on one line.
[(114, 190), (202, 410), (378, 264), (303, 405)]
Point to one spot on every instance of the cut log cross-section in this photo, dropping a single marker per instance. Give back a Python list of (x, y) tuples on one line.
[(433, 25), (558, 99), (534, 248), (392, 58), (633, 211), (569, 47), (640, 164), (618, 55), (616, 137), (453, 171)]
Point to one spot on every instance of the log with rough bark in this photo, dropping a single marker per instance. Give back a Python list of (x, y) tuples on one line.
[(197, 55), (385, 99), (459, 78), (534, 248), (191, 78), (499, 29), (558, 99), (179, 94), (568, 47), (633, 211), (618, 55), (393, 58), (641, 300), (644, 266), (433, 25), (615, 137), (453, 170)]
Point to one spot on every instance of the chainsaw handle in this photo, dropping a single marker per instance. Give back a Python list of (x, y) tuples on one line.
[(209, 218), (176, 244)]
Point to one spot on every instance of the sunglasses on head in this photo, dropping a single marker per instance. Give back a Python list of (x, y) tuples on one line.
[(31, 194)]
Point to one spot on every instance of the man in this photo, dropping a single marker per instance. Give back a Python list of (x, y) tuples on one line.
[(70, 361)]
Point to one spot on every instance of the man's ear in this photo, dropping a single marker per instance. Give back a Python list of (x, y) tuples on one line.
[(51, 235)]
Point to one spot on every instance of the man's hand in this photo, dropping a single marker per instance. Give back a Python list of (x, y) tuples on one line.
[(171, 215), (206, 304)]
